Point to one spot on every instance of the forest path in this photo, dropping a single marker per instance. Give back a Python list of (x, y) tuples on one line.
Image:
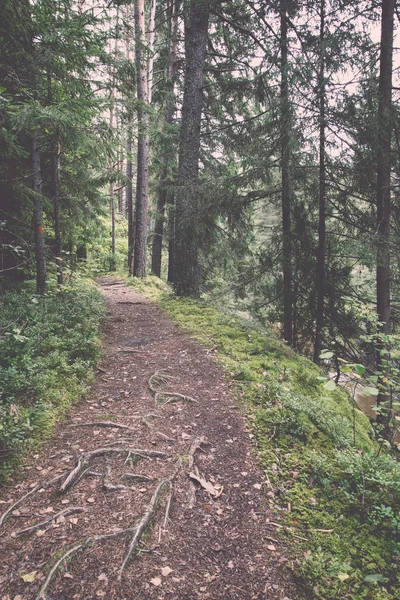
[(215, 545)]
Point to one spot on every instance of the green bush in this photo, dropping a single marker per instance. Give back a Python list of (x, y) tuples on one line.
[(48, 347)]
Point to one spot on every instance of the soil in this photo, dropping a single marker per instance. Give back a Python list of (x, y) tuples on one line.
[(211, 539)]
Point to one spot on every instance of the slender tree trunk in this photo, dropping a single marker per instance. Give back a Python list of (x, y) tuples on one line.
[(320, 271), (142, 183), (171, 277), (196, 15), (55, 168), (285, 149), (55, 179), (40, 247), (150, 46), (129, 200), (128, 189), (383, 204), (169, 116)]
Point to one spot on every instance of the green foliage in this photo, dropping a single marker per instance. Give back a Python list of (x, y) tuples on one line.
[(342, 529), (48, 347)]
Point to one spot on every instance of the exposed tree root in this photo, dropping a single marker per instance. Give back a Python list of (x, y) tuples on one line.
[(75, 474), (143, 524), (39, 486), (196, 445), (43, 590), (157, 379), (173, 397), (156, 431), (166, 516), (108, 485), (104, 424), (136, 476), (73, 510), (131, 351), (84, 461)]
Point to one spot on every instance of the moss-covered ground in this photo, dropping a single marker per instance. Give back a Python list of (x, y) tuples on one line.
[(334, 492), (48, 348)]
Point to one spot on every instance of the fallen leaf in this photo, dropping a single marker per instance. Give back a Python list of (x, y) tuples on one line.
[(73, 520), (91, 500), (29, 577), (343, 576), (257, 486), (271, 547), (65, 501), (68, 576), (230, 564), (103, 577), (40, 532), (155, 581), (16, 513), (206, 485), (165, 571)]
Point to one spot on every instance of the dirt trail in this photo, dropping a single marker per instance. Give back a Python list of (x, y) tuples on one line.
[(213, 544)]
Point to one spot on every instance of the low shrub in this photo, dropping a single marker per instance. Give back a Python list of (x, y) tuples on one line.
[(48, 347)]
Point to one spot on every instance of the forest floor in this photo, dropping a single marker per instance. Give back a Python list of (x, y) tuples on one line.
[(149, 488)]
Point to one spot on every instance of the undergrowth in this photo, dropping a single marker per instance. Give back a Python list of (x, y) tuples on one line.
[(48, 348), (336, 494)]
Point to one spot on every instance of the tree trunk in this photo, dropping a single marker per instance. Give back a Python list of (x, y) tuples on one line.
[(196, 16), (150, 46), (38, 215), (169, 116), (128, 189), (320, 270), (142, 182), (171, 277), (129, 201), (55, 180), (55, 168), (112, 215), (285, 149), (383, 204)]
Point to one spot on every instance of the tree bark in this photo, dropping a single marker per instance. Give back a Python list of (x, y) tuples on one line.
[(128, 189), (320, 270), (142, 182), (286, 191), (129, 201), (40, 247), (55, 168), (196, 16), (169, 116), (383, 203), (150, 45)]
